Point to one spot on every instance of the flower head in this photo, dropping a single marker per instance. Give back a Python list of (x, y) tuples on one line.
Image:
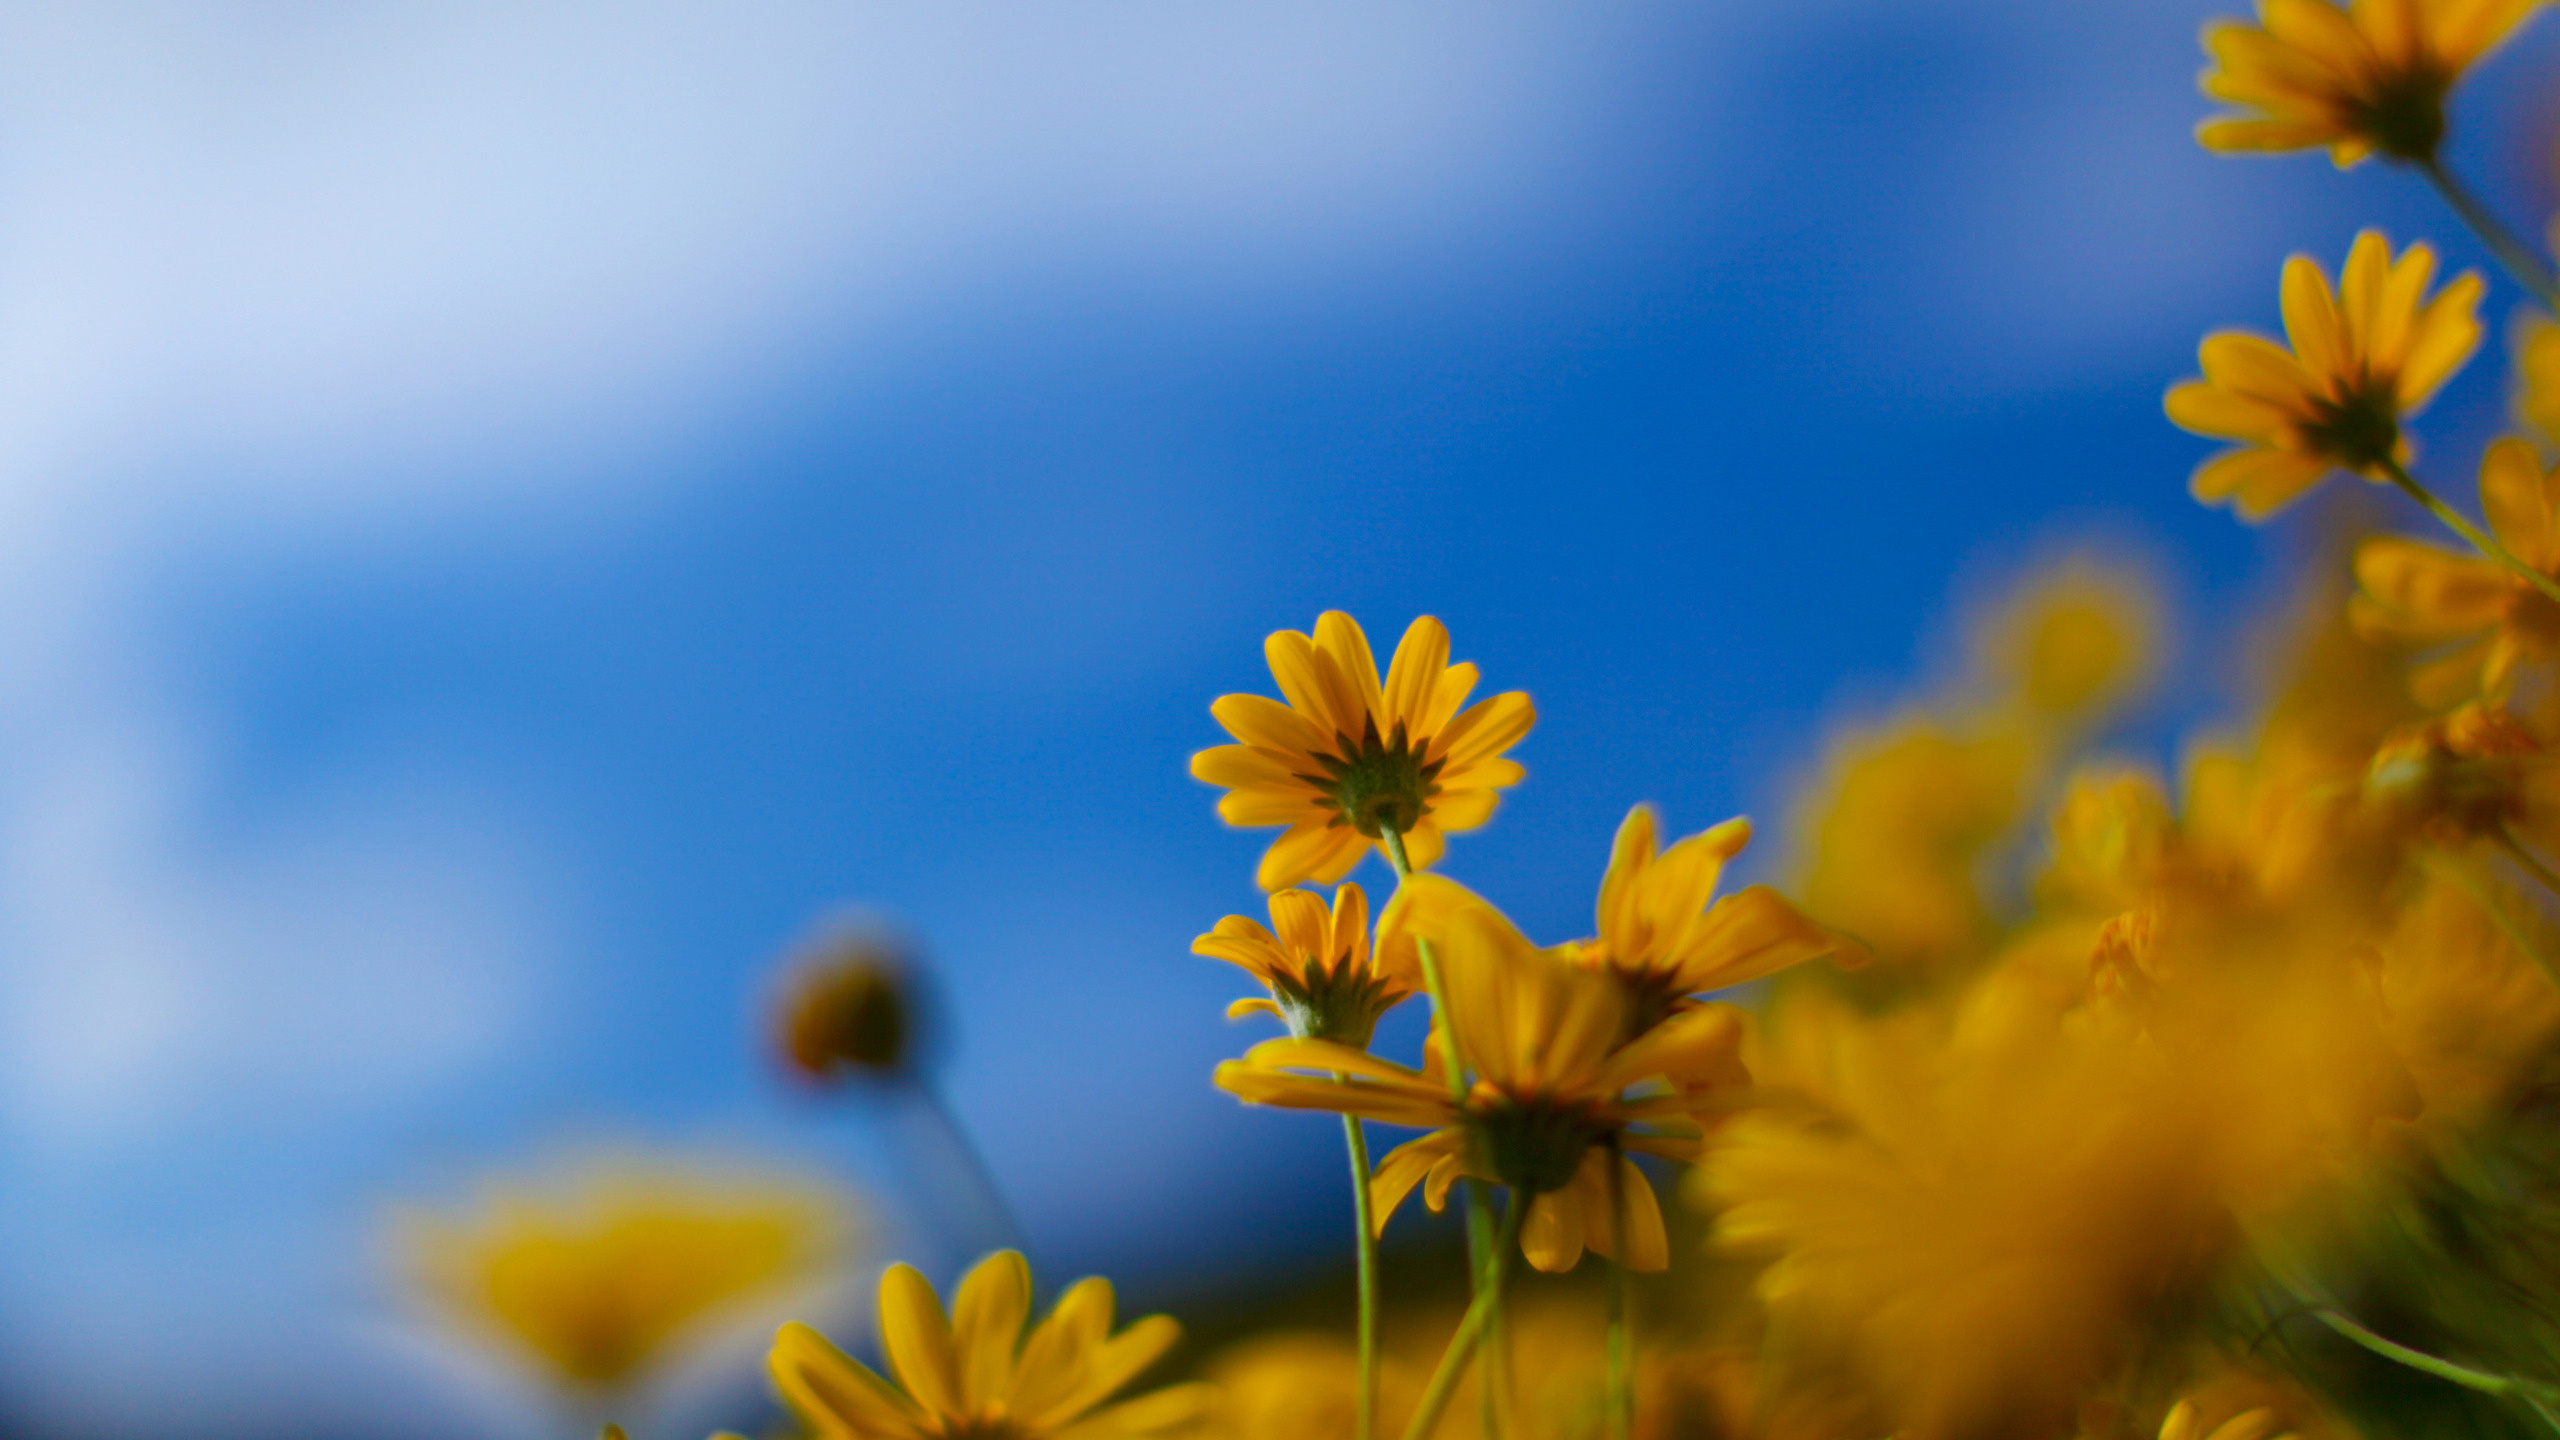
[(1348, 759), (2362, 358), (2371, 76), (848, 1011), (1549, 1110), (1663, 939), (2492, 617), (1316, 963), (2072, 640), (975, 1375), (604, 1277)]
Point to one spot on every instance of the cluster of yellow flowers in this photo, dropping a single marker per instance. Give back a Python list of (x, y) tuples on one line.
[(2211, 1108)]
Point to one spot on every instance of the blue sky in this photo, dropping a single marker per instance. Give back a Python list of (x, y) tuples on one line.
[(513, 513)]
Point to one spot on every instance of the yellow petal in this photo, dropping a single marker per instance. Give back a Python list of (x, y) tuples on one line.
[(987, 1317), (2438, 590), (2257, 481), (1414, 675), (2515, 495), (1486, 728), (918, 1340), (2445, 335), (1340, 636), (1551, 1236), (2311, 321), (1307, 848), (2208, 409), (1266, 724), (2256, 368), (831, 1392), (1252, 1005)]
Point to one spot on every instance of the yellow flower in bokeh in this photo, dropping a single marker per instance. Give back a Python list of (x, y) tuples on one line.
[(2073, 640), (2361, 358), (2494, 617), (1665, 935), (1348, 758), (2537, 379), (1898, 829), (1549, 1113), (975, 1374), (1316, 964), (608, 1276), (2370, 77), (2185, 1422)]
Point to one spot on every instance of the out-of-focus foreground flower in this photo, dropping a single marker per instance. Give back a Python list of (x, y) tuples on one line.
[(2371, 76)]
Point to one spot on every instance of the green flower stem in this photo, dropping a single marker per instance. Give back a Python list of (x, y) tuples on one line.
[(1365, 1424), (2528, 268), (1622, 1388), (2539, 1397), (2480, 539), (1444, 1378), (1484, 1256), (2526, 860)]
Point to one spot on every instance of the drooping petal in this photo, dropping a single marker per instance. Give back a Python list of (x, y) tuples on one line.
[(1551, 1235), (1305, 851)]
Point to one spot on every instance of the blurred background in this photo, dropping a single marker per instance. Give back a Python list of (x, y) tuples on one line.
[(511, 514)]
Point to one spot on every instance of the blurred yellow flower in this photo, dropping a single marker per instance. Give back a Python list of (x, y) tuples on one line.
[(1549, 1112), (1316, 964), (2370, 77), (607, 1275), (2493, 618), (2185, 1422), (2361, 358), (976, 1373), (1896, 832), (1347, 758), (1666, 937), (2537, 379), (2073, 640)]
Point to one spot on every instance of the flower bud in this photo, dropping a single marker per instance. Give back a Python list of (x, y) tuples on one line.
[(848, 1009)]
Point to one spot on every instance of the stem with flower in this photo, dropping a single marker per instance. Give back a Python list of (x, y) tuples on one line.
[(2526, 267), (2461, 525), (1471, 1327)]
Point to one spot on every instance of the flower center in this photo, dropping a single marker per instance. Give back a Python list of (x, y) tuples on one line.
[(1536, 1143), (1340, 1001), (2359, 430), (1377, 784), (2403, 115)]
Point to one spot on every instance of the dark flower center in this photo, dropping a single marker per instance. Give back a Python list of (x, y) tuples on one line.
[(1537, 1143), (2404, 115), (1377, 784), (2360, 429), (1340, 1001)]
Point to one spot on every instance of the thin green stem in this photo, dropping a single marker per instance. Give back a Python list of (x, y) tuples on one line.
[(1622, 1389), (2528, 268), (1484, 1255), (2463, 1375), (2460, 525), (1444, 1378), (1365, 1424), (2526, 860)]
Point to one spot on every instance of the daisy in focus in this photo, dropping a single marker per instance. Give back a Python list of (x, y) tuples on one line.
[(2362, 358), (1315, 962), (1549, 1111), (1350, 762), (1666, 937), (975, 1374), (2492, 618), (2370, 77)]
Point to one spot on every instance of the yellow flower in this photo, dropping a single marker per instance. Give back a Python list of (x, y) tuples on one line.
[(2416, 591), (1548, 1111), (1663, 939), (2073, 640), (976, 1375), (2370, 77), (609, 1275), (1347, 758), (2185, 1423), (2362, 358), (1316, 964), (2537, 379), (1898, 830)]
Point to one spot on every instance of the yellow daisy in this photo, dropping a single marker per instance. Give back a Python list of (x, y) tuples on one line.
[(2372, 76), (1348, 759), (975, 1375), (1316, 964), (610, 1274), (2494, 617), (2362, 358), (1549, 1113), (1661, 936)]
